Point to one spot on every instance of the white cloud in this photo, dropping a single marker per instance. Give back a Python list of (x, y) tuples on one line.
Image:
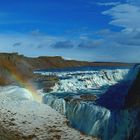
[(63, 45), (134, 2), (31, 44), (27, 44), (120, 46), (108, 3), (90, 44), (125, 15), (91, 3), (123, 45)]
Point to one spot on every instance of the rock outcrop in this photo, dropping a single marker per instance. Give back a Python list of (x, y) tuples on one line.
[(13, 68), (133, 98)]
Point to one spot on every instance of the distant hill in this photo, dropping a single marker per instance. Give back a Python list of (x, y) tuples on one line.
[(15, 67), (58, 62)]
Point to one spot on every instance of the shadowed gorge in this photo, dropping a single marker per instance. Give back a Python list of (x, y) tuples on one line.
[(133, 97)]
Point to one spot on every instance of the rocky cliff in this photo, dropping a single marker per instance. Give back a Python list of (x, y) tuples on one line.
[(13, 66), (133, 98), (132, 104)]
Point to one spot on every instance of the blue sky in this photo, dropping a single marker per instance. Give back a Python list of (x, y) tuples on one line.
[(93, 30)]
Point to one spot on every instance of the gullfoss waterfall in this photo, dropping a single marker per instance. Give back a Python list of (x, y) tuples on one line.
[(92, 99)]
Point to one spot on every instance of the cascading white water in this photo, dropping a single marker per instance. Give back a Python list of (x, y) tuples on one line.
[(83, 80), (88, 118), (56, 103), (96, 120), (89, 80), (101, 117)]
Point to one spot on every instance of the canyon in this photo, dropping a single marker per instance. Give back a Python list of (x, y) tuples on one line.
[(100, 99)]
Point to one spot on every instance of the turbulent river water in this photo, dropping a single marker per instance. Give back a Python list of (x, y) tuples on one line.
[(92, 99)]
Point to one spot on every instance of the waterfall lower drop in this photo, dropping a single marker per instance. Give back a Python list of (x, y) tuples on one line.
[(93, 100)]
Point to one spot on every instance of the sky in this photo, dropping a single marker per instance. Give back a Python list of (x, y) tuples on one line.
[(91, 30)]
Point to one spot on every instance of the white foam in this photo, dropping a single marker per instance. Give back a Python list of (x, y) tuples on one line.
[(75, 81)]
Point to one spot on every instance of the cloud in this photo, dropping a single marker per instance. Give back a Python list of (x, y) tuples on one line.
[(108, 3), (63, 45), (122, 45), (129, 38), (36, 32), (124, 15), (134, 2), (90, 44), (28, 43), (17, 44), (124, 38), (46, 45), (40, 46)]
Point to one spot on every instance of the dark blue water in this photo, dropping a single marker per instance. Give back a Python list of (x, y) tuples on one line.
[(85, 68)]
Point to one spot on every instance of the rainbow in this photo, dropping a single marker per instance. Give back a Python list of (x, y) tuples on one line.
[(27, 85), (21, 80)]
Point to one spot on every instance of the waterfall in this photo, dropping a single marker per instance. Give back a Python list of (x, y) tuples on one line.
[(75, 81), (101, 116)]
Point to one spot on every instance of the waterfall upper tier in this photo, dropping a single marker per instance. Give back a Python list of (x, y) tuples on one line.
[(93, 78)]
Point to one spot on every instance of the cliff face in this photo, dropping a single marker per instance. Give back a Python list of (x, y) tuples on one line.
[(133, 97), (12, 68), (132, 104)]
